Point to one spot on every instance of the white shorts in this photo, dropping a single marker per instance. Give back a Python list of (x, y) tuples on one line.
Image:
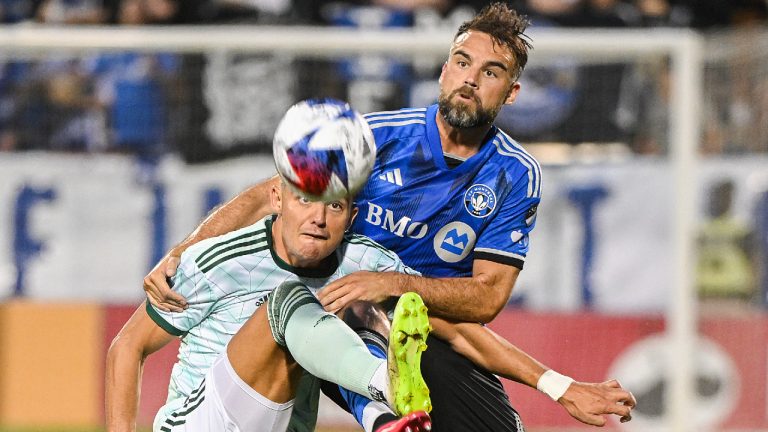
[(225, 403)]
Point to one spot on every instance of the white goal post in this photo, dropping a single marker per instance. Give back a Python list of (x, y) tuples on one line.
[(684, 48)]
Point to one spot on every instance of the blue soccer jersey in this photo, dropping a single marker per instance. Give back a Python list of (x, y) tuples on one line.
[(440, 219)]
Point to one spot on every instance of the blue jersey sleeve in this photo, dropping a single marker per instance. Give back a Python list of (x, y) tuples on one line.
[(191, 283), (506, 238)]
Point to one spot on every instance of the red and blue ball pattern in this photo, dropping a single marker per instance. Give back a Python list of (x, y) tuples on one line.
[(314, 167), (324, 149)]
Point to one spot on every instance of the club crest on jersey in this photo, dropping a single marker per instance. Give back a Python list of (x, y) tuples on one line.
[(480, 200), (454, 241)]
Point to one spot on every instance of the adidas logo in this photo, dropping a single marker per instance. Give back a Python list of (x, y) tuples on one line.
[(392, 176), (377, 394)]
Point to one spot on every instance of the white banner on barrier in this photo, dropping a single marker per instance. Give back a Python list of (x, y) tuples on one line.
[(79, 227)]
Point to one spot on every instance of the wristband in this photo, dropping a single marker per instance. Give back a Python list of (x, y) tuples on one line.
[(553, 384)]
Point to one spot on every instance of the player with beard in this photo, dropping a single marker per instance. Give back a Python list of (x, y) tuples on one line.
[(456, 198)]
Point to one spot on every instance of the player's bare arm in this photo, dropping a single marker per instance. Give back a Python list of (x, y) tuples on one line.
[(474, 299), (245, 209), (139, 338), (588, 403)]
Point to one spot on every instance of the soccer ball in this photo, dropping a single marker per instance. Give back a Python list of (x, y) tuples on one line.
[(324, 149)]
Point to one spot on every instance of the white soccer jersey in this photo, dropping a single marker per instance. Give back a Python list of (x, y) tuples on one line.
[(225, 279)]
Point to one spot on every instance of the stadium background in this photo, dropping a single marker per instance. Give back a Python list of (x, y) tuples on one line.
[(109, 156)]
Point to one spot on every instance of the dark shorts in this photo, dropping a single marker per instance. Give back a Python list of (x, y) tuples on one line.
[(464, 397)]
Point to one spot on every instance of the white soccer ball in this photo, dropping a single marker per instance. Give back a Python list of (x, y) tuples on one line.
[(324, 149)]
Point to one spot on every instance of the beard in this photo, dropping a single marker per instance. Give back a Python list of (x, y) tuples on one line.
[(463, 116)]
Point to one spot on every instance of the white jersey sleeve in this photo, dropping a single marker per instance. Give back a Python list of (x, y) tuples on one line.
[(201, 296)]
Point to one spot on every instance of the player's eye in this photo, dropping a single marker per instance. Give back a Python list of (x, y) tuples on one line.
[(303, 200), (490, 74), (462, 63), (336, 205)]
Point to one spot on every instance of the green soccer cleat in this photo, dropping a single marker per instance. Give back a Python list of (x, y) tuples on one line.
[(407, 339)]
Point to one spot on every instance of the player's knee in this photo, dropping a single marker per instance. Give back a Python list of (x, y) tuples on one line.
[(368, 315)]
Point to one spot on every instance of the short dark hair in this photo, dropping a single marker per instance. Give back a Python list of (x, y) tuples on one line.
[(506, 27)]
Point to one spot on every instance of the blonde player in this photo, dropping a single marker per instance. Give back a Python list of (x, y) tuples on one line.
[(254, 325)]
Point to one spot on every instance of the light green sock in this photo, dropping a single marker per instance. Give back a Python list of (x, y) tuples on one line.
[(321, 343)]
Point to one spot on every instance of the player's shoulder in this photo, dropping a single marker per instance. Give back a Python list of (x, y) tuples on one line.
[(517, 160), (363, 242), (210, 252), (398, 123), (509, 151), (357, 245)]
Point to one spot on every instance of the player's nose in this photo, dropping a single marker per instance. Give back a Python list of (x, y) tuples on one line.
[(318, 213), (471, 77)]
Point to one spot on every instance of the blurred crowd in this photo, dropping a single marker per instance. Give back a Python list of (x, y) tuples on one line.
[(219, 104), (573, 13)]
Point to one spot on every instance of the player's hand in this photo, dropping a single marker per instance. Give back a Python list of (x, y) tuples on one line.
[(590, 403), (158, 289), (362, 285)]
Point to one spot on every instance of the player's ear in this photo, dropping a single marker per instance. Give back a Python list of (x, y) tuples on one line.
[(442, 72), (276, 196), (512, 93), (352, 216)]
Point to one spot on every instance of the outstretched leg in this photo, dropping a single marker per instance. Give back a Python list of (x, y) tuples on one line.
[(328, 349), (410, 329), (322, 344)]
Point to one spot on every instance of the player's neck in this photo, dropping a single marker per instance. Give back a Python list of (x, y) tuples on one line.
[(277, 241), (461, 142)]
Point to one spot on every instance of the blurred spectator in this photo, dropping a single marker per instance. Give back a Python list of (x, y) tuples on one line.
[(142, 12), (726, 250), (737, 74), (15, 11), (76, 118), (22, 98), (227, 103), (323, 12), (7, 107), (373, 82), (133, 87), (52, 107), (662, 13), (242, 95), (565, 100), (236, 11), (377, 82), (653, 12), (725, 13), (643, 109), (600, 13), (71, 12), (549, 8)]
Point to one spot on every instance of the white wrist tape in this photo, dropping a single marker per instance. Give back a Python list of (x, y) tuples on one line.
[(553, 384)]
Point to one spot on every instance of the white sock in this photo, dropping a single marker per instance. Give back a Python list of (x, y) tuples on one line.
[(380, 379), (371, 412)]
